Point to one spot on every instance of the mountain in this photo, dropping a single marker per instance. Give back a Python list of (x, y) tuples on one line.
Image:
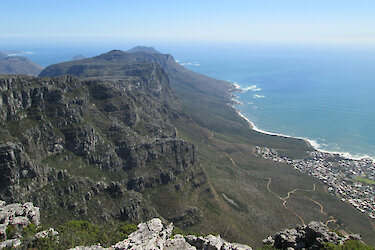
[(136, 135), (99, 149), (18, 65), (143, 49), (78, 57), (201, 96)]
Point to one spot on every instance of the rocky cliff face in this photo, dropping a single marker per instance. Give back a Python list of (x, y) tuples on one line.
[(91, 148)]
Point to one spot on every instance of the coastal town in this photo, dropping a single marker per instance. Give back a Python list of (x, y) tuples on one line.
[(351, 180)]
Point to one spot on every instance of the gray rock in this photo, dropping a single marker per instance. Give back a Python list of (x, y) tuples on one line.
[(47, 233), (154, 235), (10, 243), (93, 247), (18, 215), (212, 242), (3, 229), (314, 235), (20, 222), (150, 235), (234, 246), (269, 241), (178, 242)]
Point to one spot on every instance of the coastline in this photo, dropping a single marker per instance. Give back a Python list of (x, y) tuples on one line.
[(314, 144)]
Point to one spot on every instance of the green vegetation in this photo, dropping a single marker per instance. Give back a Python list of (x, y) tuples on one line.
[(348, 245), (365, 180), (75, 233), (11, 231)]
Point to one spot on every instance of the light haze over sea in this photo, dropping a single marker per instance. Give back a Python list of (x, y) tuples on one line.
[(325, 94)]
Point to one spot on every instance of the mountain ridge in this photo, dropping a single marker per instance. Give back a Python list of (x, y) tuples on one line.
[(10, 65)]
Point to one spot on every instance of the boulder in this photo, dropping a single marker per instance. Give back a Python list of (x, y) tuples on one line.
[(10, 243), (47, 233), (311, 236), (212, 242)]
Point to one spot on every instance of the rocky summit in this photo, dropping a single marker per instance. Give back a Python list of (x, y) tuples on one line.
[(154, 235)]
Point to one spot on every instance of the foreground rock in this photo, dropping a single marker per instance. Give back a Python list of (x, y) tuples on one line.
[(154, 235), (17, 215), (311, 236)]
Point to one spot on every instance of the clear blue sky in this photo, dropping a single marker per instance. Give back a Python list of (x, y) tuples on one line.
[(302, 21)]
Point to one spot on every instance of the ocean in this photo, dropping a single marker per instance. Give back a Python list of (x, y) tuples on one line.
[(323, 94)]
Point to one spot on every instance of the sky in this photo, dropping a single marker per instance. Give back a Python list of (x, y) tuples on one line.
[(244, 21)]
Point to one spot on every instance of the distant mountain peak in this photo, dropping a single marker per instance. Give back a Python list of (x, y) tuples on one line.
[(116, 51), (18, 65), (114, 55), (143, 49), (78, 57)]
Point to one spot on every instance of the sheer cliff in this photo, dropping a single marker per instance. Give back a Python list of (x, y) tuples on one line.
[(97, 149)]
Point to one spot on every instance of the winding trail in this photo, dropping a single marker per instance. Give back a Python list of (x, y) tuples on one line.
[(331, 218), (284, 199), (281, 198), (234, 164)]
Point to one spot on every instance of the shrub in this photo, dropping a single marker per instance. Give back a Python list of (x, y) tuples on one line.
[(11, 231)]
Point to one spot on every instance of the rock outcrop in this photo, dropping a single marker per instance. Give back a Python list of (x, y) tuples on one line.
[(17, 215), (154, 235), (311, 236), (14, 218)]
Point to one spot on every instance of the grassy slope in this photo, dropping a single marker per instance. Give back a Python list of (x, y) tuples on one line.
[(222, 136)]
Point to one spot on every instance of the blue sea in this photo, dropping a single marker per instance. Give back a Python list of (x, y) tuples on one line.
[(322, 93)]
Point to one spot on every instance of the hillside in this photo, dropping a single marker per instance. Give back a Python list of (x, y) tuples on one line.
[(230, 190), (97, 149), (18, 65)]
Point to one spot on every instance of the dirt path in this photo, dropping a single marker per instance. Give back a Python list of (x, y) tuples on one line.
[(284, 200), (234, 164), (331, 218)]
